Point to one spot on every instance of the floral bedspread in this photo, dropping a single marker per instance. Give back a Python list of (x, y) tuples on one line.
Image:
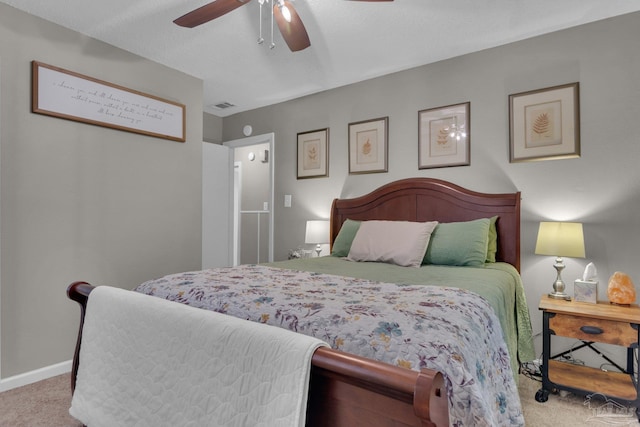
[(452, 330)]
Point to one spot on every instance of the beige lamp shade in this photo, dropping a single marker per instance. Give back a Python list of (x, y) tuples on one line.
[(560, 239), (317, 232)]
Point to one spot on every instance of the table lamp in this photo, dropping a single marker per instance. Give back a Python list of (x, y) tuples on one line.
[(560, 239), (317, 233)]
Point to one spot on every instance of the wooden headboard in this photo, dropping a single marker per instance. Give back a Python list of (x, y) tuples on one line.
[(427, 199)]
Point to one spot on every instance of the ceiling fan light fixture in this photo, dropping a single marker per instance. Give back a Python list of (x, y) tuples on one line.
[(286, 13), (289, 22)]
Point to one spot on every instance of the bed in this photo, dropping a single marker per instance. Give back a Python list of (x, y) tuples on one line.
[(454, 377)]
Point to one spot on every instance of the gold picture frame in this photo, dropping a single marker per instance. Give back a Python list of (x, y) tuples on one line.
[(369, 146), (313, 154), (545, 124), (444, 136)]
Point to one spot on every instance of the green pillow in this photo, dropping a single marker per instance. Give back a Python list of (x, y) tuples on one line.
[(492, 245), (342, 244), (459, 243)]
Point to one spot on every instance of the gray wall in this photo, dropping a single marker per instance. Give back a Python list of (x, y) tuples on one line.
[(600, 189), (212, 128), (111, 207), (82, 202)]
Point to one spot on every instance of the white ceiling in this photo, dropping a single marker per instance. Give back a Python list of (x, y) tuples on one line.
[(351, 41)]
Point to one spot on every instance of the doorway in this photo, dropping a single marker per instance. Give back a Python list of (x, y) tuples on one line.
[(253, 198), (0, 292)]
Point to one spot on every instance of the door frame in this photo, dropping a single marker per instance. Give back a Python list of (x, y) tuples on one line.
[(0, 257), (235, 217), (234, 229)]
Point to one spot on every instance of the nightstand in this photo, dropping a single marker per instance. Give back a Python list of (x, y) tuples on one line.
[(603, 323)]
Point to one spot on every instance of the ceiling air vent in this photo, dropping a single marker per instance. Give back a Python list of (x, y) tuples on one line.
[(223, 105)]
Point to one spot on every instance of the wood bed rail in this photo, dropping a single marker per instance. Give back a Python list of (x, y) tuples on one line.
[(353, 375), (79, 292), (345, 389)]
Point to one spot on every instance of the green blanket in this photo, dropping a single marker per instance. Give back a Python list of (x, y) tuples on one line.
[(499, 283)]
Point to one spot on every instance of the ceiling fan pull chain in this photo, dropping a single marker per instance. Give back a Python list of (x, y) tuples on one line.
[(260, 39), (273, 44)]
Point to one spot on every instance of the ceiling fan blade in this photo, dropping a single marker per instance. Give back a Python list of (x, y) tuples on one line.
[(208, 12), (293, 30)]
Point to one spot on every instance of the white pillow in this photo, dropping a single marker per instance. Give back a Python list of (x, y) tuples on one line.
[(398, 242)]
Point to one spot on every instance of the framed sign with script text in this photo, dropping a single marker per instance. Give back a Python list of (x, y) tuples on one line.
[(68, 95)]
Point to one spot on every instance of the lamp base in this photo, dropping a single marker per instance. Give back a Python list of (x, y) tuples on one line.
[(559, 295), (558, 285)]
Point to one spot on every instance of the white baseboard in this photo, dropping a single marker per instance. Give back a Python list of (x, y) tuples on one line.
[(35, 376)]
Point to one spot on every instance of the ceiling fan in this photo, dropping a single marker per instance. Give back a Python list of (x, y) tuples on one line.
[(288, 20)]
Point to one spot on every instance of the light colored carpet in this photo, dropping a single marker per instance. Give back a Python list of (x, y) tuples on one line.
[(569, 410), (42, 404), (46, 404)]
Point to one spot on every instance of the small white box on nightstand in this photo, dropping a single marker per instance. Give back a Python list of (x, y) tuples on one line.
[(585, 291)]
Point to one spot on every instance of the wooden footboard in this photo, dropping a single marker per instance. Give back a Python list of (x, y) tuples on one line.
[(347, 390)]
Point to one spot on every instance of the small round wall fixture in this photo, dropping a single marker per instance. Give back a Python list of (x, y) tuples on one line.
[(252, 156), (247, 130)]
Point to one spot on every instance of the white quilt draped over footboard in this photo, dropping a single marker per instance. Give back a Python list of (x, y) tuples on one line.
[(145, 361)]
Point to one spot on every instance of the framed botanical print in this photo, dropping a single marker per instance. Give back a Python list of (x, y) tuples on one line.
[(545, 124), (368, 146), (313, 154), (444, 136)]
